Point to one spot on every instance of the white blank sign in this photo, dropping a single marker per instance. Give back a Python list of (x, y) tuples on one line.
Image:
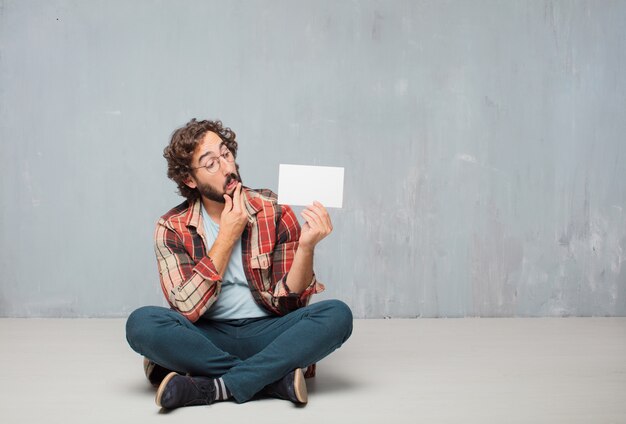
[(300, 185)]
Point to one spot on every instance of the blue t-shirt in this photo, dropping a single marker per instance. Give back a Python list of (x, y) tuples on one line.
[(235, 300)]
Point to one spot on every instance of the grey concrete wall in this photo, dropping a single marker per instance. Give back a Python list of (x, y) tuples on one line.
[(483, 143)]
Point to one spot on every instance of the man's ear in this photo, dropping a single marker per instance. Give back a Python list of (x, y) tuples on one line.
[(190, 182)]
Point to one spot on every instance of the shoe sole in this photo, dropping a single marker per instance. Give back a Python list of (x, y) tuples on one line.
[(148, 369), (162, 386), (299, 387)]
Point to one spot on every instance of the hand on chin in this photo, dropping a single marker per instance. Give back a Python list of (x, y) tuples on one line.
[(230, 188)]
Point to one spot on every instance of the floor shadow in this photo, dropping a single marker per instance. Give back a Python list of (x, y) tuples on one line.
[(140, 387), (329, 383)]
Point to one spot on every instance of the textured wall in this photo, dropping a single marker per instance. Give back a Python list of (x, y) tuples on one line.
[(483, 144)]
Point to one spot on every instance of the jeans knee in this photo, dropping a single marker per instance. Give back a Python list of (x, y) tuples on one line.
[(342, 317), (139, 325)]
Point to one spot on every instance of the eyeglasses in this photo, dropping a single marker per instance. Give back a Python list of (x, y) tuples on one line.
[(213, 164)]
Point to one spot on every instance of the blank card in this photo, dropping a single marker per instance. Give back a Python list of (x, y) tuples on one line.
[(300, 185)]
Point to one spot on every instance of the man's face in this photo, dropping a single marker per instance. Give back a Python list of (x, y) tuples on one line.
[(224, 181)]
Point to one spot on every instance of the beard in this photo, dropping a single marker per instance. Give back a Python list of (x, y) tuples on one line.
[(211, 193)]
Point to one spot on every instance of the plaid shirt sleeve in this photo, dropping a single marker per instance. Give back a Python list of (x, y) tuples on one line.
[(190, 287), (288, 234)]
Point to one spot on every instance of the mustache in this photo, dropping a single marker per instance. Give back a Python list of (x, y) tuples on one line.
[(230, 178)]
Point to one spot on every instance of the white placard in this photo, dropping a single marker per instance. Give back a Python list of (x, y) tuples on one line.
[(300, 185)]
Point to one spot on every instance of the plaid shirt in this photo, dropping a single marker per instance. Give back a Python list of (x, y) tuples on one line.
[(269, 243)]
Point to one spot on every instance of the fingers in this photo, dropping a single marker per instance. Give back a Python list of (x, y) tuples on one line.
[(228, 203), (242, 197), (318, 219), (233, 218), (312, 219), (321, 215), (324, 214), (234, 207), (237, 198)]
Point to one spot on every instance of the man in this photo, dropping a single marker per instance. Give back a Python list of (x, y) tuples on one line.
[(237, 271)]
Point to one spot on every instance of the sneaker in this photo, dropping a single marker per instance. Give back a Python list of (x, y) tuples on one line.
[(180, 390), (154, 373), (291, 387)]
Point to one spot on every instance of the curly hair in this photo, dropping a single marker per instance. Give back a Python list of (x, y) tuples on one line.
[(182, 145)]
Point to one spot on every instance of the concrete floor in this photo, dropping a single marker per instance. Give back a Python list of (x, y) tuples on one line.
[(541, 370)]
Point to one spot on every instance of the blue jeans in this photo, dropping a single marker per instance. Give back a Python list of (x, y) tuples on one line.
[(248, 354)]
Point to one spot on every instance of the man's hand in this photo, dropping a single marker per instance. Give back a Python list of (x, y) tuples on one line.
[(234, 218), (316, 227)]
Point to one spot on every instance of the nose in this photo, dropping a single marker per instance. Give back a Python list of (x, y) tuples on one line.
[(227, 167)]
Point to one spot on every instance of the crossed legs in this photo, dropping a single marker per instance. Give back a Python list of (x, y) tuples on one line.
[(247, 354)]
